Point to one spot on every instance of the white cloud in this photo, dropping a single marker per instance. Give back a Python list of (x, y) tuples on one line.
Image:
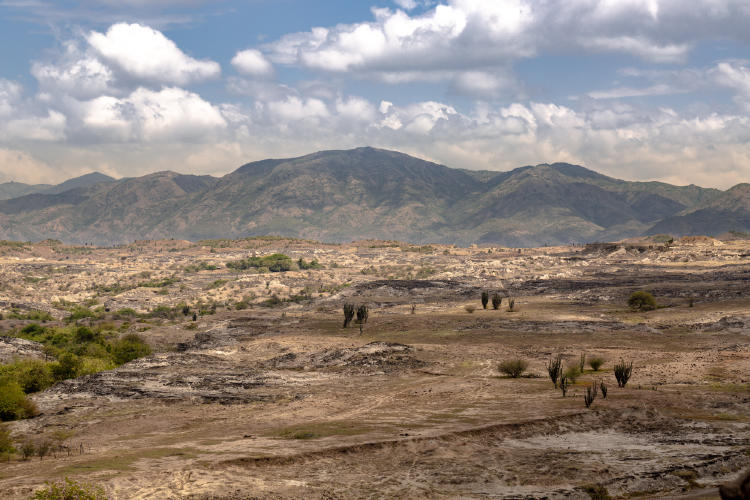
[(36, 128), (620, 92), (252, 62), (10, 93), (143, 53), (76, 73), (459, 40), (169, 115), (736, 75), (295, 109)]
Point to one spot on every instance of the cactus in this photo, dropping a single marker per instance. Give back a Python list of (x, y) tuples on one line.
[(623, 372), (603, 387), (362, 314), (564, 383), (485, 299), (582, 362), (348, 314), (554, 368), (511, 304), (497, 300), (590, 395)]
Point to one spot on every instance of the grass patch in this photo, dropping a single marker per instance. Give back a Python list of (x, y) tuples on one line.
[(319, 430)]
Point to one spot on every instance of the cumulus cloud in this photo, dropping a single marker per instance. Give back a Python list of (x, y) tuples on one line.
[(252, 62), (143, 53), (168, 115), (470, 42)]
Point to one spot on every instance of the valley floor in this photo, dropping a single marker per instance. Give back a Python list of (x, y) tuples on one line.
[(269, 397)]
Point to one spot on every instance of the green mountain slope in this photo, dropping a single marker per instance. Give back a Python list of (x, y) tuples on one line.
[(353, 194)]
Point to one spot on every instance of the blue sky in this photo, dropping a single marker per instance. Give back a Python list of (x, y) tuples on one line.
[(637, 89)]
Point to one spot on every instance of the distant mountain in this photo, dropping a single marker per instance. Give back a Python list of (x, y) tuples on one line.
[(9, 190), (359, 193), (730, 211), (14, 189)]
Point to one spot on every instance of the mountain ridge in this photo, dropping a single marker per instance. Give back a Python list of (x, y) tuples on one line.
[(341, 195)]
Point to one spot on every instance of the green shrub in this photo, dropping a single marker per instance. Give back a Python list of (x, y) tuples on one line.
[(67, 366), (274, 263), (313, 264), (14, 404), (80, 312), (34, 375), (70, 490), (596, 362), (572, 373), (513, 367), (130, 347), (597, 492), (641, 301)]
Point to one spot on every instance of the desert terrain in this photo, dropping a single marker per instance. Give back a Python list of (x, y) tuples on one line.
[(263, 394)]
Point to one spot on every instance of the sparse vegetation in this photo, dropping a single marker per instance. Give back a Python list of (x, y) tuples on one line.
[(572, 373), (623, 371), (496, 301), (603, 388), (485, 299), (554, 369), (469, 308), (69, 489), (596, 362), (641, 301), (348, 314), (313, 264), (511, 304), (275, 263), (362, 314), (513, 368), (564, 384), (590, 395)]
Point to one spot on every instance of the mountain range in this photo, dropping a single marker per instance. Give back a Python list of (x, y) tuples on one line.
[(372, 193)]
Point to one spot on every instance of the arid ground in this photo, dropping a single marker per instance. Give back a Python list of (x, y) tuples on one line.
[(265, 395)]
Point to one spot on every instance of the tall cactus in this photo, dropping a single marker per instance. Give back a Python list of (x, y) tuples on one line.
[(348, 314)]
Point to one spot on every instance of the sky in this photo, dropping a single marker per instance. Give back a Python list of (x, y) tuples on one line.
[(635, 89)]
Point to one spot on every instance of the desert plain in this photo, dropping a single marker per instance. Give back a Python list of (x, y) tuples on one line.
[(263, 393)]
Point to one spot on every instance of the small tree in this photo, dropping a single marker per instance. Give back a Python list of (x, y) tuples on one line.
[(641, 301), (348, 314), (497, 301), (554, 368), (6, 443), (622, 372), (485, 299), (513, 368), (27, 450), (43, 449)]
